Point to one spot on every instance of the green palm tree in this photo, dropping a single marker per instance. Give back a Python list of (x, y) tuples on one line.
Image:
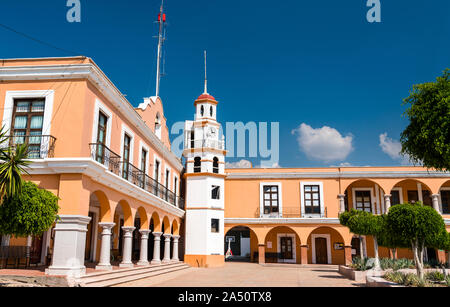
[(13, 163)]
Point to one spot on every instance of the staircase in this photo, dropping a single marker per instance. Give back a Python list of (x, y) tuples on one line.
[(116, 277)]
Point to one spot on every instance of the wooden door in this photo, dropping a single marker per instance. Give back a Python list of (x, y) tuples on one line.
[(286, 248), (321, 251), (36, 250), (87, 252)]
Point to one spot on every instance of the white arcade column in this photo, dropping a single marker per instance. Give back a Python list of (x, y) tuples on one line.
[(387, 202), (69, 246), (143, 261), (435, 200), (105, 251), (175, 249), (127, 246), (156, 248), (167, 248), (341, 203)]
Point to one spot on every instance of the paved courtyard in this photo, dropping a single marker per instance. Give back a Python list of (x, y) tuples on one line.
[(251, 275)]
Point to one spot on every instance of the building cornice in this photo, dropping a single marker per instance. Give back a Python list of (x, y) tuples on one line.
[(267, 221), (100, 174), (342, 175), (92, 73)]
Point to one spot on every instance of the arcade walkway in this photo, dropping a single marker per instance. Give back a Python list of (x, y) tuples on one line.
[(253, 275)]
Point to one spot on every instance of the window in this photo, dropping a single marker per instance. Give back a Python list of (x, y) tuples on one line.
[(27, 123), (363, 201), (126, 155), (312, 199), (175, 186), (215, 225), (211, 111), (413, 196), (215, 192), (197, 165), (192, 139), (445, 197), (202, 110), (216, 165), (271, 199), (156, 185), (101, 137), (144, 161), (395, 198)]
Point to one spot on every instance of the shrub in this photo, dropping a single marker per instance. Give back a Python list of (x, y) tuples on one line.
[(447, 281), (411, 280), (362, 264), (435, 276), (396, 277)]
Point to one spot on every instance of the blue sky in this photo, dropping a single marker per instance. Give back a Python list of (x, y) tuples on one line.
[(317, 63)]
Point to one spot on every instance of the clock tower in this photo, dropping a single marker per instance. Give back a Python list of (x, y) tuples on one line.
[(204, 151)]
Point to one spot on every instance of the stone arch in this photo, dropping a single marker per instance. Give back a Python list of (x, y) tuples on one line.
[(105, 208), (377, 189), (156, 221), (347, 183), (166, 224), (127, 213), (175, 228), (283, 237), (145, 224), (411, 184), (330, 236), (236, 246)]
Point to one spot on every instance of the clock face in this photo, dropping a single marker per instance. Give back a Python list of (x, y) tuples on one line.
[(212, 131)]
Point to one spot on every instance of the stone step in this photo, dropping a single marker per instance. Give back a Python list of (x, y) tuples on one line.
[(126, 275), (122, 270)]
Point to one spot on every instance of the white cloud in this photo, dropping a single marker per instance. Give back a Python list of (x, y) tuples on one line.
[(239, 164), (324, 144), (393, 149)]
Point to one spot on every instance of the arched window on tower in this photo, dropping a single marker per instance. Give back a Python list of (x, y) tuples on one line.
[(211, 111), (197, 165), (215, 165), (192, 139), (202, 111)]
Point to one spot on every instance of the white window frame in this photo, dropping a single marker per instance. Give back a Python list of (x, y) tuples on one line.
[(130, 133), (440, 198), (156, 158), (261, 199), (100, 107), (372, 197), (302, 200), (313, 243), (143, 146), (176, 183), (294, 247), (400, 191), (49, 96), (166, 168)]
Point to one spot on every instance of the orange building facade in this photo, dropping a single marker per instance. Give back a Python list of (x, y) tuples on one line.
[(121, 188)]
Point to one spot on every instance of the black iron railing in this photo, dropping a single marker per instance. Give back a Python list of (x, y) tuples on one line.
[(106, 156), (39, 146), (129, 172)]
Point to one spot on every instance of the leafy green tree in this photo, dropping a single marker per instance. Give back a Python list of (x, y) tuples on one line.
[(344, 217), (30, 213), (365, 223), (427, 138), (420, 225), (390, 240), (13, 163)]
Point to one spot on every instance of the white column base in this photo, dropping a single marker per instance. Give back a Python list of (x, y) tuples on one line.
[(143, 263), (104, 267), (69, 247), (126, 265)]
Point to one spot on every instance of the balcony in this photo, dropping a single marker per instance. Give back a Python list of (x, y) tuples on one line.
[(129, 172), (289, 213), (39, 146)]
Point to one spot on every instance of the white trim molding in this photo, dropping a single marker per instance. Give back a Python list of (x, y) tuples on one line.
[(49, 96), (261, 199), (313, 243), (302, 199), (99, 106)]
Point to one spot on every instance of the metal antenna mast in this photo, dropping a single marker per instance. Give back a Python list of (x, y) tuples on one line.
[(206, 77), (161, 38)]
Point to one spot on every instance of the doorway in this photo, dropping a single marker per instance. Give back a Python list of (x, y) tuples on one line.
[(321, 251)]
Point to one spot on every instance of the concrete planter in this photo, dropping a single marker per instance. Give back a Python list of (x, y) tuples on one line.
[(358, 276), (379, 282)]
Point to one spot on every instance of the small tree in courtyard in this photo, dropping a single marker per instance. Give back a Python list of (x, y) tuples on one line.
[(365, 223), (30, 213), (420, 225), (390, 240)]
